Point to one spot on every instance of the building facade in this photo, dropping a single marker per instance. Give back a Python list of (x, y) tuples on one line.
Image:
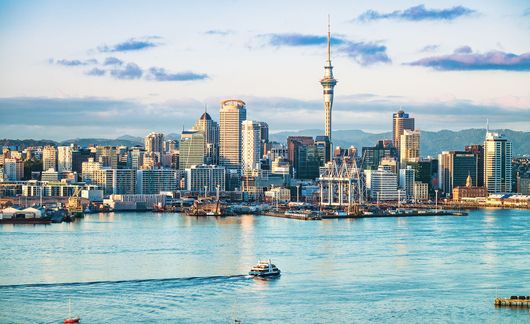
[(191, 149), (199, 177), (401, 121), (233, 113), (250, 145), (497, 163)]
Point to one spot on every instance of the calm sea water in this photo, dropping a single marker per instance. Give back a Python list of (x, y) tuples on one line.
[(143, 267)]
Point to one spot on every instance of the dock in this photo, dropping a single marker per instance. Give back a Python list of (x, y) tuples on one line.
[(513, 301)]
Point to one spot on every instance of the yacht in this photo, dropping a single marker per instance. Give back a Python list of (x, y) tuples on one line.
[(264, 269)]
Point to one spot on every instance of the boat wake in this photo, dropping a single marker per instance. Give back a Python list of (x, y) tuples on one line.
[(205, 280)]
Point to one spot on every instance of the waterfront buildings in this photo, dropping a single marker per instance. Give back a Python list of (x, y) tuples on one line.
[(192, 146), (401, 122), (383, 185), (49, 158), (251, 145), (154, 181), (409, 150), (407, 181), (454, 168), (115, 181), (468, 191), (497, 163), (209, 177)]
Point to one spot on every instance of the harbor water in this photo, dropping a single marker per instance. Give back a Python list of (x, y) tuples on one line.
[(147, 267)]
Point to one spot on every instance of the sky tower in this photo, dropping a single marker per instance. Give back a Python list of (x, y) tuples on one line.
[(328, 83)]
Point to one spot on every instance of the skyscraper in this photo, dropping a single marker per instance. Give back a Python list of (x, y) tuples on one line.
[(49, 158), (250, 144), (401, 121), (210, 129), (497, 163), (328, 84), (233, 113), (64, 158), (191, 149), (409, 150), (454, 168), (154, 143)]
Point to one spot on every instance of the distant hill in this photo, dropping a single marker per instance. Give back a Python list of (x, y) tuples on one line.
[(101, 141), (26, 142), (432, 143)]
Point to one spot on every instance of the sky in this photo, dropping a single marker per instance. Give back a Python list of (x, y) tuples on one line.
[(72, 69)]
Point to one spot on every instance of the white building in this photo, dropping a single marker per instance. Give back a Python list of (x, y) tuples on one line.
[(409, 146), (49, 158), (497, 163), (383, 185), (64, 158), (210, 176), (421, 191), (156, 180), (406, 181), (13, 169), (251, 145), (233, 113)]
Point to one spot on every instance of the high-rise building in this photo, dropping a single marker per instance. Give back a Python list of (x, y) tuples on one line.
[(210, 176), (401, 121), (324, 149), (233, 113), (478, 150), (49, 158), (115, 181), (191, 149), (383, 185), (406, 182), (328, 83), (210, 129), (293, 142), (307, 162), (372, 156), (497, 163), (64, 158), (154, 181), (88, 168), (13, 169), (154, 143), (107, 156), (250, 145), (409, 150), (79, 156), (454, 168), (135, 158)]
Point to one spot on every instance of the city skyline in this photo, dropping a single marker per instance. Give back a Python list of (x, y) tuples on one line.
[(159, 76)]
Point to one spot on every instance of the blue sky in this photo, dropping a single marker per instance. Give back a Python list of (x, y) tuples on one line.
[(108, 68)]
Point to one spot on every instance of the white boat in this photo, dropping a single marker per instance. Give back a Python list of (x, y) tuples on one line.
[(264, 269)]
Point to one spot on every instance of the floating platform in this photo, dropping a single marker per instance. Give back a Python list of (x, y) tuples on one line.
[(513, 301)]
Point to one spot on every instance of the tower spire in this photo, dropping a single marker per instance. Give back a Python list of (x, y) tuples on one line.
[(328, 83), (329, 40)]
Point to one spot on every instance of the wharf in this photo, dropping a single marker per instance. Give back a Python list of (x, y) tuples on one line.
[(292, 216), (513, 301)]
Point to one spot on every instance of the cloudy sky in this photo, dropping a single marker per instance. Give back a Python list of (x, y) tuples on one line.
[(108, 68)]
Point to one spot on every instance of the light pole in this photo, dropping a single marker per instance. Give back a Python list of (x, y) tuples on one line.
[(436, 199)]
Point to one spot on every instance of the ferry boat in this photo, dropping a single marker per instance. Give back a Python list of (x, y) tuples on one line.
[(264, 269)]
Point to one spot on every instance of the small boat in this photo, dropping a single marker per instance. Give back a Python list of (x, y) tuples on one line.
[(70, 318), (264, 269)]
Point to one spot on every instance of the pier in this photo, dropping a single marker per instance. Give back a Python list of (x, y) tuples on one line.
[(513, 301)]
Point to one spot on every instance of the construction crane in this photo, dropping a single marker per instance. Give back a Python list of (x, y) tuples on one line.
[(74, 206)]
